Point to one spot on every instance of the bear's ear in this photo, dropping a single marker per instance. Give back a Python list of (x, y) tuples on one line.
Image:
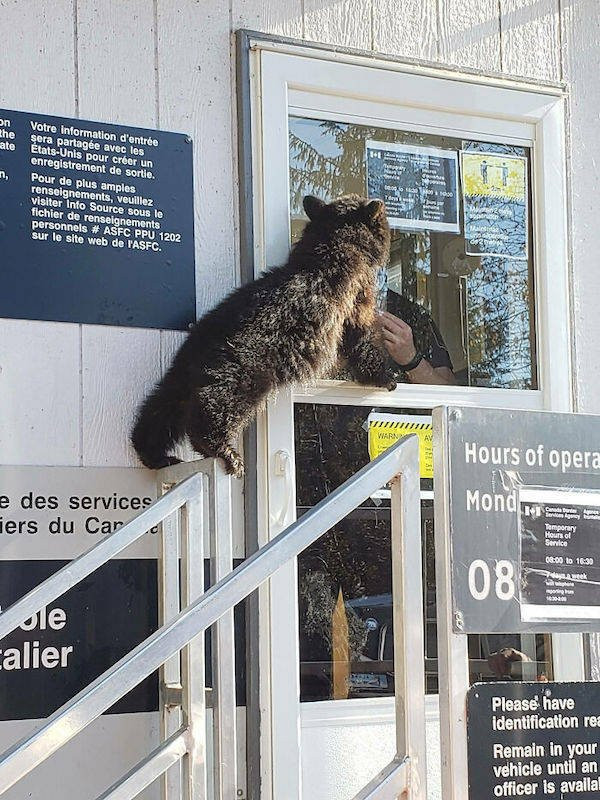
[(373, 208), (313, 206)]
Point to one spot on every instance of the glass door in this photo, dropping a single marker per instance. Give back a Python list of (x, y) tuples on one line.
[(472, 316), (345, 624), (462, 184)]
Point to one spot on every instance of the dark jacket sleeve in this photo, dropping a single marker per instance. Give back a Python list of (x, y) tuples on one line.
[(440, 357), (426, 333)]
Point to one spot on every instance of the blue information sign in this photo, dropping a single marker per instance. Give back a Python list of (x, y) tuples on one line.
[(96, 223)]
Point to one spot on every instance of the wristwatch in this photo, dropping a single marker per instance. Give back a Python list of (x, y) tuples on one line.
[(414, 362)]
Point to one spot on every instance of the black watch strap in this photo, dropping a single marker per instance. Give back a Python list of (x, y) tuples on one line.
[(412, 363)]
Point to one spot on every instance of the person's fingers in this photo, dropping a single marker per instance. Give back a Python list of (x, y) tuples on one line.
[(394, 323), (391, 327), (390, 319), (403, 337)]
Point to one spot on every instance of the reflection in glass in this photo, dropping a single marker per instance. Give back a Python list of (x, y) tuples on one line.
[(481, 306), (345, 580)]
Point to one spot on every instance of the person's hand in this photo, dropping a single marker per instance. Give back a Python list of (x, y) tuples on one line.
[(397, 338)]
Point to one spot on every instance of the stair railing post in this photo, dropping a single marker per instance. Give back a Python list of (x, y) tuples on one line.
[(407, 583), (223, 639), (193, 679), (170, 672)]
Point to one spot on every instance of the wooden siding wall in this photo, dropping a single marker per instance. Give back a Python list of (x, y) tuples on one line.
[(67, 392)]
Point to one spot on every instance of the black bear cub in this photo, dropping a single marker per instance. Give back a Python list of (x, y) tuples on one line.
[(294, 324)]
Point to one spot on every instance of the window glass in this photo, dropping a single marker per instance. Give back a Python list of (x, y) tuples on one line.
[(345, 579), (469, 299)]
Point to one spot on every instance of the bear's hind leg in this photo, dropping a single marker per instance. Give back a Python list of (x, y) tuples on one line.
[(214, 445), (234, 463), (214, 422)]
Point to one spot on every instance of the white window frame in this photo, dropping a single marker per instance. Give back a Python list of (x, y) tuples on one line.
[(326, 88), (288, 78)]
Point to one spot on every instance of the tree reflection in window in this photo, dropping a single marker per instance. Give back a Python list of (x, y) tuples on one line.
[(498, 302), (482, 305), (345, 578)]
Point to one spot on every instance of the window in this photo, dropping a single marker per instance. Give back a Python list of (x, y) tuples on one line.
[(481, 309), (482, 306), (345, 581), (499, 300)]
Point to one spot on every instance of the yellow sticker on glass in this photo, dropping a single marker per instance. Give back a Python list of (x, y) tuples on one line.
[(491, 175), (385, 429)]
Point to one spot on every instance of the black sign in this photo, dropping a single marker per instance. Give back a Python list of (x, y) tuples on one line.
[(560, 554), (65, 646), (96, 223), (493, 456), (538, 740), (68, 644)]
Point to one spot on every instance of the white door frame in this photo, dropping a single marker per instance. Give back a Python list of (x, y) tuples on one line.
[(285, 77)]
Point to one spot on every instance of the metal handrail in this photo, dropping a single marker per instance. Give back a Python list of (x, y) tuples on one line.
[(142, 775), (98, 555), (400, 460)]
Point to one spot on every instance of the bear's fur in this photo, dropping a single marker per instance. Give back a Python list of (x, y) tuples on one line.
[(294, 324)]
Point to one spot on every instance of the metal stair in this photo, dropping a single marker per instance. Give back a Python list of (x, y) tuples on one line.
[(197, 496)]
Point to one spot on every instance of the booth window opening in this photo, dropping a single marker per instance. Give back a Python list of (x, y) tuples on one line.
[(461, 269)]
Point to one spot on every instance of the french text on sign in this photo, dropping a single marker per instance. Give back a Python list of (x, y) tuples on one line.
[(90, 213)]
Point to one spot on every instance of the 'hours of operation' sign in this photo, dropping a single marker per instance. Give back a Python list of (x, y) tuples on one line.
[(419, 185), (96, 222), (522, 500)]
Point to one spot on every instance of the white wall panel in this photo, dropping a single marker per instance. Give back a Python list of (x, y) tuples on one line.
[(195, 97), (342, 22), (39, 393), (581, 34), (407, 29), (39, 361), (530, 38), (283, 17), (37, 56), (117, 84), (120, 365), (345, 743), (90, 762), (470, 34), (170, 341), (116, 49)]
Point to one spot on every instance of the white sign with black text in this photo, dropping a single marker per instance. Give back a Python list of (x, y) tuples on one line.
[(559, 533)]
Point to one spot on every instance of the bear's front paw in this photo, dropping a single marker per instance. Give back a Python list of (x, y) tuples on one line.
[(386, 381)]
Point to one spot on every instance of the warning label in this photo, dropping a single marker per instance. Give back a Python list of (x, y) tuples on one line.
[(385, 429)]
